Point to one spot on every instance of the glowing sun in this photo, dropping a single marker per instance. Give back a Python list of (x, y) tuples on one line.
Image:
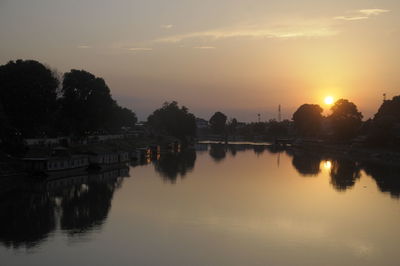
[(328, 100)]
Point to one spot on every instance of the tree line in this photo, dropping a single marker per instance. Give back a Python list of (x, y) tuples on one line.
[(36, 101), (343, 124)]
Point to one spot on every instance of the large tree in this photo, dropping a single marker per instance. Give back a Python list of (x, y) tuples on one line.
[(218, 122), (384, 128), (86, 102), (87, 105), (11, 140), (28, 93), (173, 120), (307, 120), (345, 119)]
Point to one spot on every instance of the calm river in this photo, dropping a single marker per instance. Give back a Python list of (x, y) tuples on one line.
[(218, 205)]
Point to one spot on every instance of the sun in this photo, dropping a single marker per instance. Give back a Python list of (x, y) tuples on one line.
[(328, 100)]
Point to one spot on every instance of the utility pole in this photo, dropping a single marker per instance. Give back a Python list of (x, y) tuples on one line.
[(279, 113)]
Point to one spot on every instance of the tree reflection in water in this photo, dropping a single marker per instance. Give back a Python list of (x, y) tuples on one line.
[(232, 150), (26, 219), (218, 152), (344, 174), (173, 165), (258, 149), (306, 165), (387, 178), (79, 204)]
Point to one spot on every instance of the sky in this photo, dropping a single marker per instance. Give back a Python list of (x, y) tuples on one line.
[(241, 57)]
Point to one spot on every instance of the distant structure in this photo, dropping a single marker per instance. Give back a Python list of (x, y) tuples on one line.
[(259, 118), (384, 97), (279, 113)]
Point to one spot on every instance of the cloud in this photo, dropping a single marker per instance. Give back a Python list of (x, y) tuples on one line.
[(362, 14), (373, 12), (167, 26), (204, 47), (140, 49), (295, 32), (351, 18), (84, 46)]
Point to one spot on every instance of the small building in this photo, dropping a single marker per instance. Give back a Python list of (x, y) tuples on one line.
[(201, 123)]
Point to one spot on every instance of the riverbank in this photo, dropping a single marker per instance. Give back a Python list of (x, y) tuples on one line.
[(60, 160), (359, 153)]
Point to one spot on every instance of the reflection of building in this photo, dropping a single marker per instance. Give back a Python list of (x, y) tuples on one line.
[(77, 205)]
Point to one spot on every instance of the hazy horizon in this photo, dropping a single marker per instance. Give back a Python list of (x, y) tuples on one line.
[(238, 57)]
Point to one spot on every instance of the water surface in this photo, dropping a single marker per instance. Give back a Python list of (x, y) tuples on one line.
[(219, 205)]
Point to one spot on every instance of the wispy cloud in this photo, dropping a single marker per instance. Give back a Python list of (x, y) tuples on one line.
[(351, 18), (373, 12), (167, 26), (362, 14), (309, 32), (204, 47), (84, 46), (140, 49)]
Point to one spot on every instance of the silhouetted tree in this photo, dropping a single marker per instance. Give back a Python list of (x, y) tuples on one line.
[(307, 120), (385, 126), (259, 128), (218, 122), (122, 117), (11, 140), (172, 120), (276, 129), (86, 103), (28, 93), (345, 119)]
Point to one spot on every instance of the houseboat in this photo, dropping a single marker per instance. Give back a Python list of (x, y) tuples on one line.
[(106, 159), (54, 163)]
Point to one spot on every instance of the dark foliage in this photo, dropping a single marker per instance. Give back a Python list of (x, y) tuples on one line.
[(28, 93), (385, 127), (345, 119), (307, 120), (87, 105), (173, 120), (218, 123)]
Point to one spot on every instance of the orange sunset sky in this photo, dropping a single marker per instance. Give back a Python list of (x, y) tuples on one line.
[(239, 57)]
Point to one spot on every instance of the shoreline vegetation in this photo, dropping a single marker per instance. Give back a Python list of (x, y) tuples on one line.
[(52, 122)]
